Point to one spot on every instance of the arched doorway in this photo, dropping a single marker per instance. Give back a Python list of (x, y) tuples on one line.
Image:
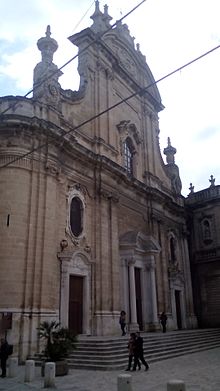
[(75, 298), (138, 288)]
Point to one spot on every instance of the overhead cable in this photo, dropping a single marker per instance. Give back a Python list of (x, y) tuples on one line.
[(140, 91), (98, 37)]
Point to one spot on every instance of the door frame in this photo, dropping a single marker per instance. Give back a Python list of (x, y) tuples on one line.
[(72, 286), (77, 264)]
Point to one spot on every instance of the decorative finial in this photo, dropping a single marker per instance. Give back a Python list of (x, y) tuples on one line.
[(212, 181), (107, 17), (46, 74), (48, 32), (47, 46), (191, 188), (169, 151), (100, 20)]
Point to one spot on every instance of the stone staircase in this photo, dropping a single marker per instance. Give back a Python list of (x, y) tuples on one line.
[(110, 353)]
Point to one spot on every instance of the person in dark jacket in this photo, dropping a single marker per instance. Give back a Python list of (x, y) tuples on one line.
[(163, 321), (3, 356), (139, 352), (131, 351), (122, 322)]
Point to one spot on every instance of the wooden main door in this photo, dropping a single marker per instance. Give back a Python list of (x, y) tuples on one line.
[(76, 304)]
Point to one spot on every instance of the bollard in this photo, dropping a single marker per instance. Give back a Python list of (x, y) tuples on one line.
[(12, 367), (49, 376), (176, 385), (29, 371), (124, 383)]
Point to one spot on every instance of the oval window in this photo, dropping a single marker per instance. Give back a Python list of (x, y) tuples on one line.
[(76, 214)]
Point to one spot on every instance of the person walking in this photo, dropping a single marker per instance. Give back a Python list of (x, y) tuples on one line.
[(3, 355), (163, 321), (122, 322), (131, 351), (139, 353)]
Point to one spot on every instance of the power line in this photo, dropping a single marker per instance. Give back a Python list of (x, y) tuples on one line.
[(83, 16), (140, 91), (100, 35)]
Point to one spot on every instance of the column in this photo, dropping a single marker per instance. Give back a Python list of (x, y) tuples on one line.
[(133, 324), (125, 287), (192, 320), (151, 266)]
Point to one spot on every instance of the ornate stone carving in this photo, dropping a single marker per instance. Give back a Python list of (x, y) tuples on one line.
[(126, 128), (52, 168), (63, 244), (108, 195), (175, 275), (46, 87), (77, 188), (79, 264)]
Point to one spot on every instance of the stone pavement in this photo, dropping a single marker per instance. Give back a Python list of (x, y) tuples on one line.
[(200, 372)]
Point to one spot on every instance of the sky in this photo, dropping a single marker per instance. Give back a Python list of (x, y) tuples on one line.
[(171, 33)]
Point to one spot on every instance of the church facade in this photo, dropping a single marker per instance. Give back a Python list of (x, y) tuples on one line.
[(92, 220)]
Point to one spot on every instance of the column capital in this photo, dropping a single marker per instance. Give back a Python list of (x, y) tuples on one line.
[(130, 261), (150, 264)]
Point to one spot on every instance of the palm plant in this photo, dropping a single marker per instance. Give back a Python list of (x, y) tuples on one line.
[(58, 340)]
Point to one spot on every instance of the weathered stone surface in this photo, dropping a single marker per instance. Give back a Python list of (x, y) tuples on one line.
[(112, 163)]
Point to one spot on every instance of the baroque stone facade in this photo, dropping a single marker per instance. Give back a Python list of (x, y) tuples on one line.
[(92, 219)]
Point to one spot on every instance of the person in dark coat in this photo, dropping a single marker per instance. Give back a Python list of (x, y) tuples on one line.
[(163, 321), (131, 351), (3, 356), (122, 322), (139, 353)]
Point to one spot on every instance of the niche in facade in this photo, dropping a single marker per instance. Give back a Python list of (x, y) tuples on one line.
[(207, 231)]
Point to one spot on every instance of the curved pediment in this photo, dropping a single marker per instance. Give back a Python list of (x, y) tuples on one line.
[(133, 61), (138, 241)]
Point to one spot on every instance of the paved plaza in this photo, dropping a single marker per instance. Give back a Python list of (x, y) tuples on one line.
[(199, 371)]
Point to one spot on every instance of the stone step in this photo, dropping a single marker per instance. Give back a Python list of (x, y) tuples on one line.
[(154, 342), (123, 365), (110, 353), (90, 341), (101, 350), (149, 355)]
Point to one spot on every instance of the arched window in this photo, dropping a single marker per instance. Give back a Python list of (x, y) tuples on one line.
[(76, 216), (128, 156)]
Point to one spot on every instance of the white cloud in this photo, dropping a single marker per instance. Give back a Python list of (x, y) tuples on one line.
[(170, 33)]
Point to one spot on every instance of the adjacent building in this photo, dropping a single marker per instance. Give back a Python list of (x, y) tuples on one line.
[(204, 240)]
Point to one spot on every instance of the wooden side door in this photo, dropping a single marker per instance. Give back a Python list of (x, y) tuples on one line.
[(178, 310), (76, 304)]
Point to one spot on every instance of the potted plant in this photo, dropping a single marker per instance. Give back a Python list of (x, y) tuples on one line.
[(59, 341)]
